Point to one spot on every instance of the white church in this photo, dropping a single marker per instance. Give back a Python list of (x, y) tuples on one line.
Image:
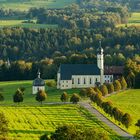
[(83, 75)]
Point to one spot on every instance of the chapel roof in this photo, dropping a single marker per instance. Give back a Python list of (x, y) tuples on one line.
[(67, 70)]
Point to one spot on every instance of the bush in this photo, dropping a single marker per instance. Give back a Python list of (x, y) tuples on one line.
[(1, 97), (75, 98), (138, 123), (73, 132), (126, 120), (3, 125), (83, 93), (18, 96)]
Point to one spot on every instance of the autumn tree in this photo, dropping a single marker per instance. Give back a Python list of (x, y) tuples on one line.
[(75, 98), (41, 96), (18, 96), (104, 90), (123, 83), (110, 88), (126, 120), (64, 97), (117, 85)]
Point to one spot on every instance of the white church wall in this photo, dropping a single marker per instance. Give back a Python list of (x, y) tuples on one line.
[(65, 84), (84, 81), (108, 78), (35, 89), (58, 80)]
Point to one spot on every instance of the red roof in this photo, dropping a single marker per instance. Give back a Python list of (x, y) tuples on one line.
[(109, 70)]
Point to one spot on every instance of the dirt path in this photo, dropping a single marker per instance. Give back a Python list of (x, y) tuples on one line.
[(102, 118)]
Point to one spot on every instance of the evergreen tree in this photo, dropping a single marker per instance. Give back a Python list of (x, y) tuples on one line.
[(64, 97), (110, 88), (18, 96), (126, 120), (117, 85), (104, 90), (123, 83), (41, 96), (1, 97)]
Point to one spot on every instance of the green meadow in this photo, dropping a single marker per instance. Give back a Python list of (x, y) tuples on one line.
[(24, 5), (129, 102), (134, 20), (19, 23), (9, 88), (30, 120)]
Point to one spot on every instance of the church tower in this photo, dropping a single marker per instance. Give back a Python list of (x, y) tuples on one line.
[(100, 62)]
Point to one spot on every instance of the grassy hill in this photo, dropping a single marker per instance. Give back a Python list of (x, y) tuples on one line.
[(24, 5), (29, 120), (134, 20), (128, 101), (19, 23), (9, 88)]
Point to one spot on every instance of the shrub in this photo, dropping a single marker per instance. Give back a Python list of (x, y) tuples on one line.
[(83, 93), (18, 96), (138, 123), (73, 132), (126, 120), (1, 97)]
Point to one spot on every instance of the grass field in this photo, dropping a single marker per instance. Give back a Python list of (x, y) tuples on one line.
[(9, 88), (25, 5), (31, 122), (19, 23), (128, 101), (134, 20)]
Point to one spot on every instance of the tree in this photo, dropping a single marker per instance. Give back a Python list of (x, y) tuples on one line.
[(83, 93), (75, 98), (1, 97), (18, 96), (74, 132), (110, 88), (126, 120), (64, 97), (3, 125), (104, 90), (138, 123), (117, 85), (123, 83), (41, 96)]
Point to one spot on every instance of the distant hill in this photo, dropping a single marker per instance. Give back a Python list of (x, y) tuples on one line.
[(24, 5)]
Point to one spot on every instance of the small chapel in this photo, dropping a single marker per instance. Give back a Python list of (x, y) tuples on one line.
[(83, 75), (38, 84)]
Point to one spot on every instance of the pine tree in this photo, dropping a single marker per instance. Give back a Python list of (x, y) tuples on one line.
[(104, 90), (123, 83), (117, 85), (110, 88)]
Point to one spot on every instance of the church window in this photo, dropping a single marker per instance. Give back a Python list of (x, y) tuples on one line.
[(96, 80), (72, 80), (90, 81), (78, 81), (84, 81)]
